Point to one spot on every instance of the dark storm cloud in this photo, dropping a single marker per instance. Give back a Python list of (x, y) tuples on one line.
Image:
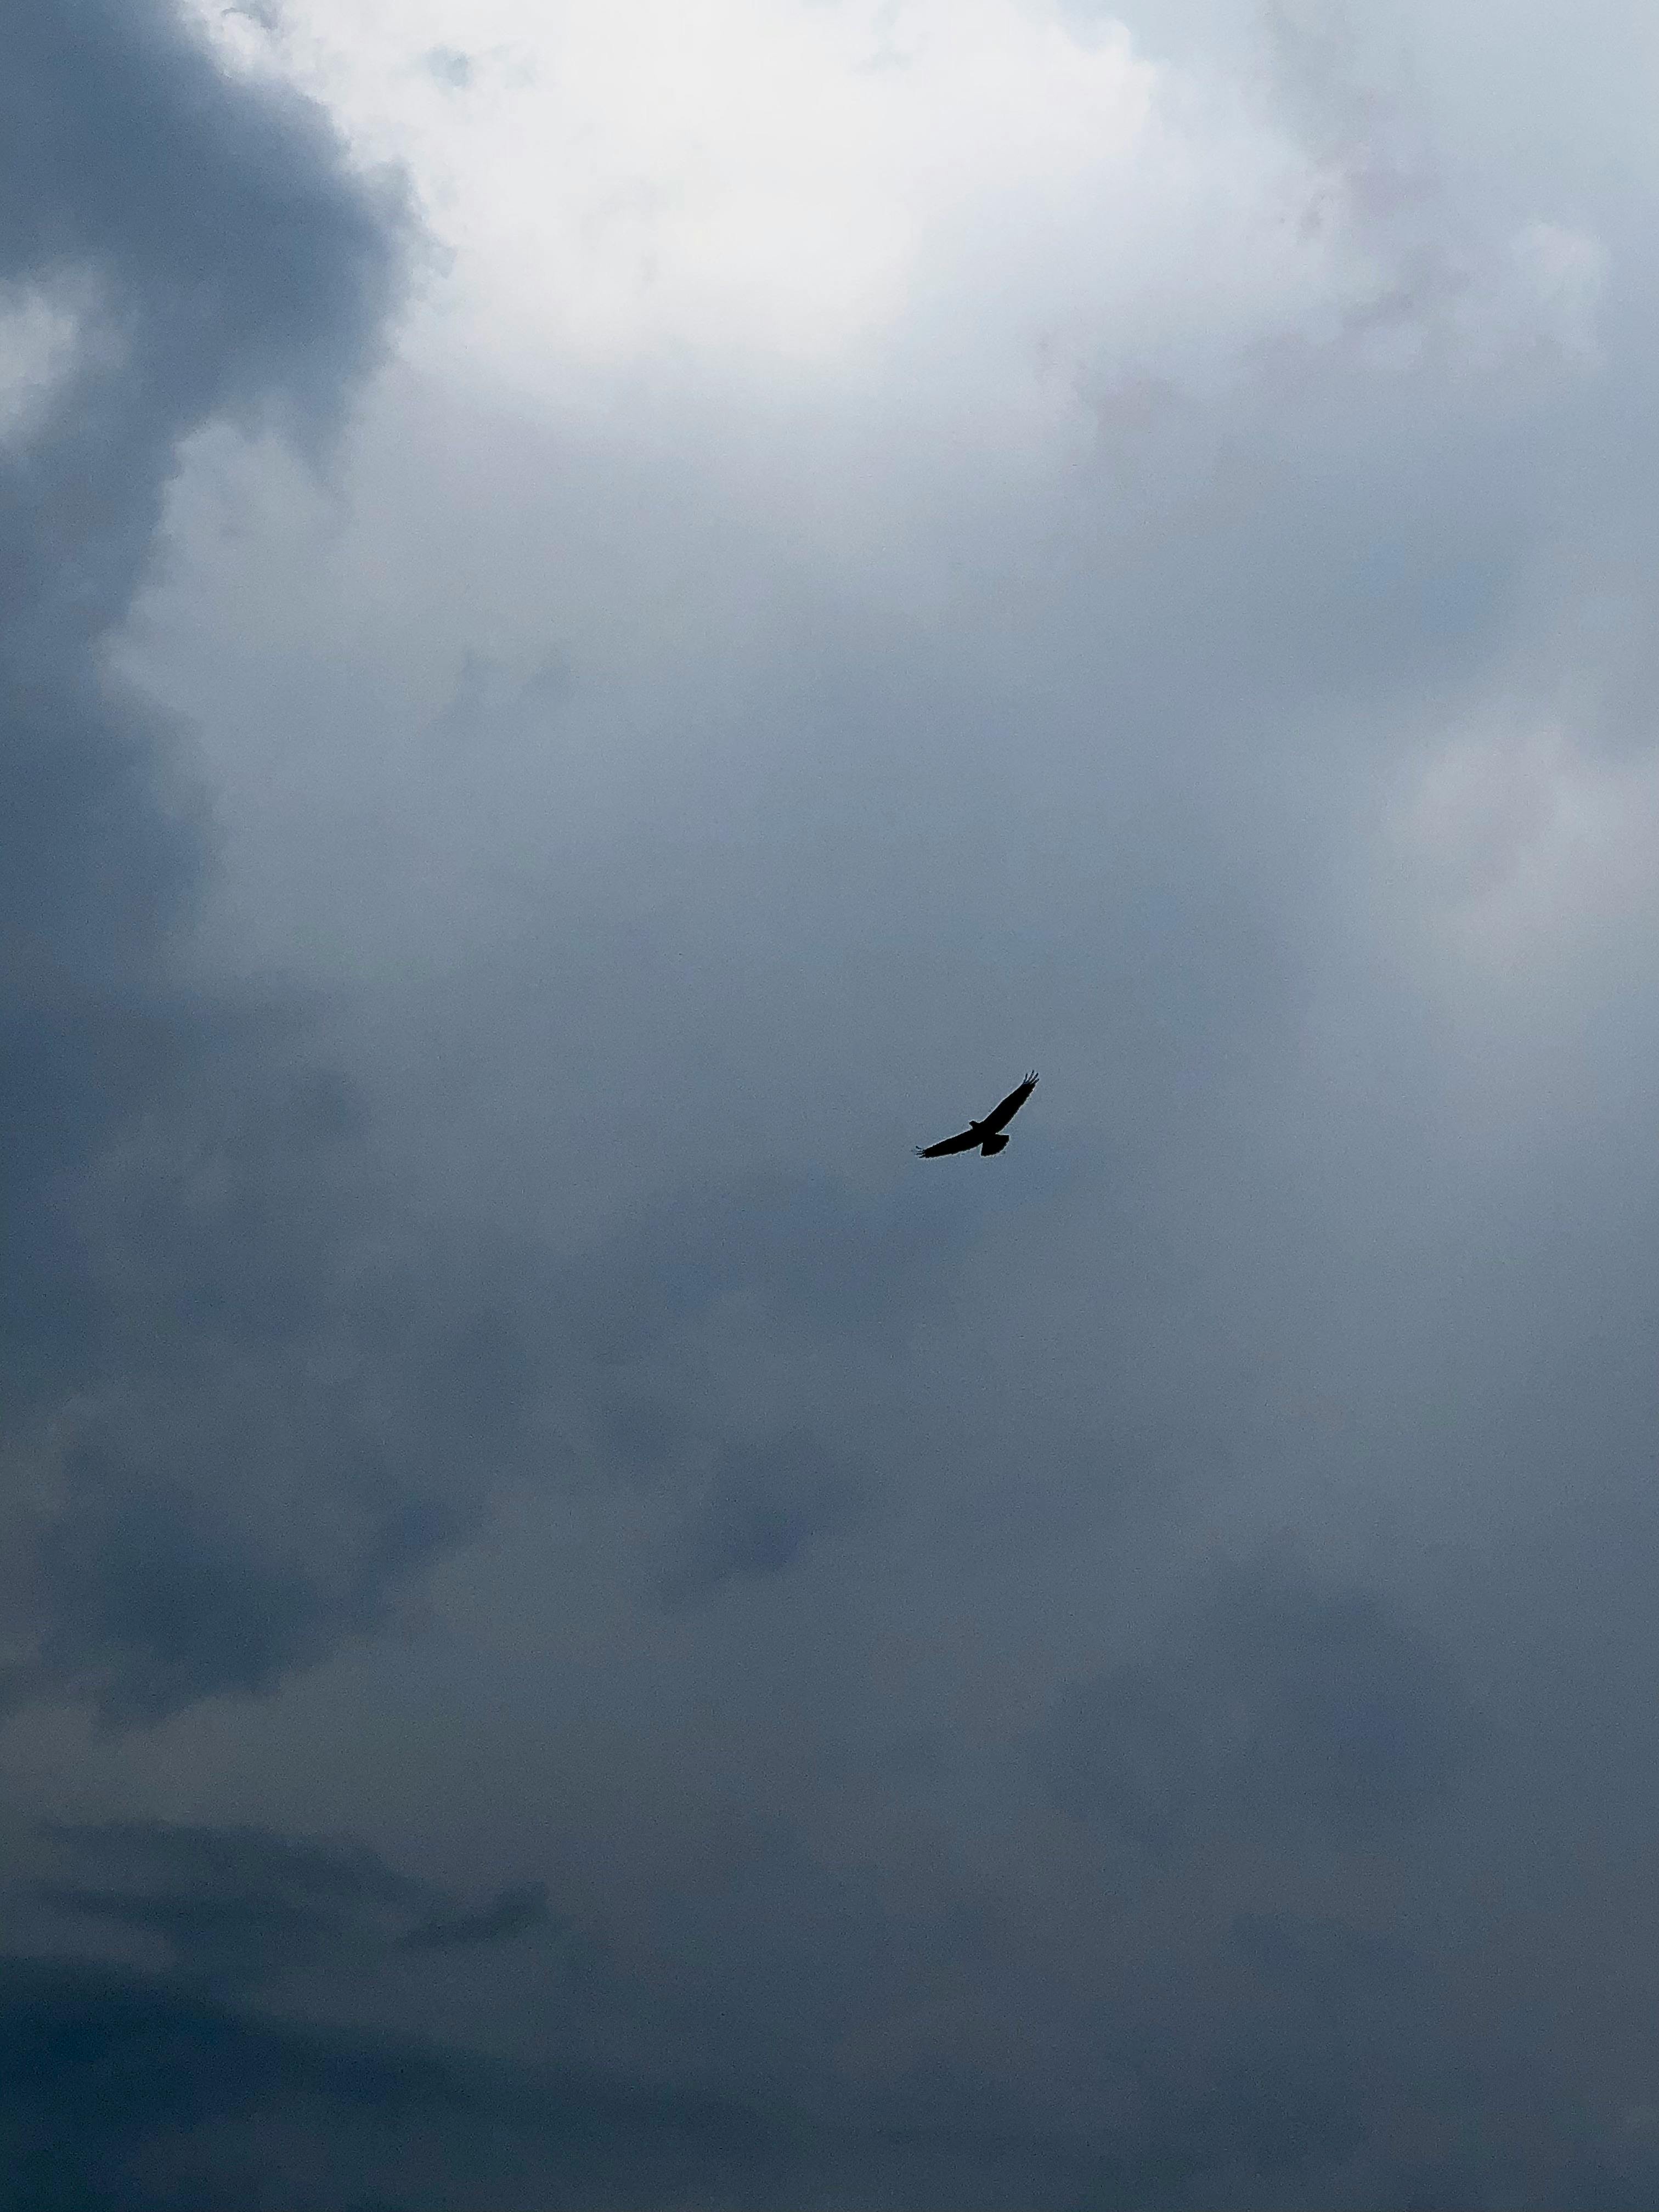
[(243, 1906), (220, 1387), (180, 2087), (275, 1399), (134, 2089), (142, 2091), (215, 258)]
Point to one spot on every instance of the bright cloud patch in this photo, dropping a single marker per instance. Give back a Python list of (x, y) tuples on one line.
[(791, 180), (39, 334)]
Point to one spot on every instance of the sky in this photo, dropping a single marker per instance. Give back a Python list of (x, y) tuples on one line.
[(615, 615)]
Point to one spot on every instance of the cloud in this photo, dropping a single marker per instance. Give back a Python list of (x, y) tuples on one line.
[(172, 2086), (160, 1206), (509, 1915), (243, 1906), (1282, 1707), (125, 2085), (766, 1508), (1117, 1676), (195, 1261)]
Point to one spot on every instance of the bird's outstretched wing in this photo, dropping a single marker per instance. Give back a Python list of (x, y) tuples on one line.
[(965, 1142), (1002, 1115)]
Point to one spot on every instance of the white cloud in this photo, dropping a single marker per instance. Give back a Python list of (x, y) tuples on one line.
[(803, 313), (1565, 272), (788, 183), (40, 338)]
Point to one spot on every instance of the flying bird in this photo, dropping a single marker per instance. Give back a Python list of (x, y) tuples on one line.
[(986, 1135)]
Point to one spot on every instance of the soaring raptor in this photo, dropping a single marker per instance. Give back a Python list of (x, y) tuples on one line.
[(984, 1136)]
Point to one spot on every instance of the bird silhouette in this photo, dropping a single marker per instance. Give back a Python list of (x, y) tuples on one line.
[(984, 1137)]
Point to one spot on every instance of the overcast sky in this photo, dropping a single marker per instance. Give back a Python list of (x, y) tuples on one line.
[(614, 613)]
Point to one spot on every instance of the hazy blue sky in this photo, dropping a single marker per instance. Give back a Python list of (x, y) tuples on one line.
[(614, 612)]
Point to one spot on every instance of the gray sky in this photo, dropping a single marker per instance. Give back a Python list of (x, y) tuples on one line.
[(615, 615)]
